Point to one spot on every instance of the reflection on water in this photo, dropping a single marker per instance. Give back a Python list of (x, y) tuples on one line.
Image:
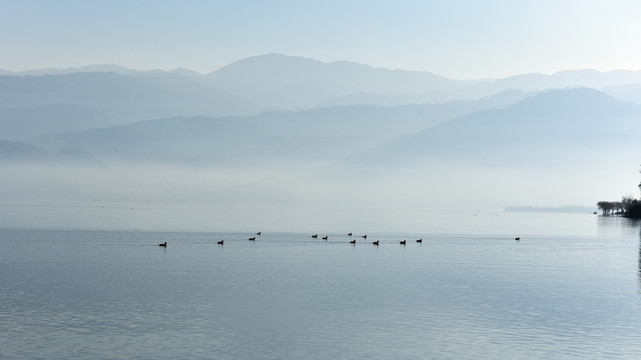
[(618, 226), (115, 294), (636, 224), (622, 227)]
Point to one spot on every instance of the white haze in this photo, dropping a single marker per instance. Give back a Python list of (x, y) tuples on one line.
[(302, 169), (286, 199)]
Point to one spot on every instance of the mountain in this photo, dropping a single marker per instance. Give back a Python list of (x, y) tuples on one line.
[(89, 68), (554, 128), (27, 122), (277, 82), (32, 106), (187, 72), (318, 135), (266, 139), (57, 111), (141, 95), (14, 152), (499, 99), (629, 92), (288, 82), (95, 96), (542, 82)]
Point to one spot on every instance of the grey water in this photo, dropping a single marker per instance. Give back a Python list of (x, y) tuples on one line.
[(569, 289)]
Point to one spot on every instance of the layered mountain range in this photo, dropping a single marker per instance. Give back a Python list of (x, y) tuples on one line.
[(276, 111), (258, 109)]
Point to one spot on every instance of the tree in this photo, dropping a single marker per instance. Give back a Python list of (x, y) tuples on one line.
[(606, 207)]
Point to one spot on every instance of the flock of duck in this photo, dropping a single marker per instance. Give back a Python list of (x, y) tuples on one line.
[(315, 236)]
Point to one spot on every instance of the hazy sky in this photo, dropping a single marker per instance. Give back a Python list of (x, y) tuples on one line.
[(453, 38)]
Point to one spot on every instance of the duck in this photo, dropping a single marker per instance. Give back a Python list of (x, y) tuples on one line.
[(315, 236), (517, 238), (221, 242), (403, 242), (252, 238), (349, 234), (258, 233), (353, 242), (375, 243), (163, 244), (324, 237), (419, 240), (364, 236)]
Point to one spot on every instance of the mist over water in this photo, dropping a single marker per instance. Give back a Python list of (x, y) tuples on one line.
[(83, 208), (174, 199), (233, 167), (435, 188)]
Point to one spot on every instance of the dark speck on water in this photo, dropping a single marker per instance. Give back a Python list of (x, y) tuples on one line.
[(104, 294)]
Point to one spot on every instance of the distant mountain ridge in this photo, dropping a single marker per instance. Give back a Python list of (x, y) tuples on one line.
[(295, 82), (575, 123), (281, 82), (136, 90), (318, 135), (12, 151), (285, 101), (276, 127), (55, 71), (547, 128), (31, 105), (560, 80)]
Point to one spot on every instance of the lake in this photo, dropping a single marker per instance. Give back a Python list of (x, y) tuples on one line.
[(84, 282)]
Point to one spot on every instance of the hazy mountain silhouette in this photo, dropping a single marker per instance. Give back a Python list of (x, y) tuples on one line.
[(89, 68), (12, 151), (500, 99), (27, 122), (288, 82), (319, 135), (543, 82), (138, 95), (85, 110), (20, 153), (34, 103), (551, 129), (629, 92), (382, 138)]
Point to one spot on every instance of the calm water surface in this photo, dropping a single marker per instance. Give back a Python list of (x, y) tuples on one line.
[(569, 289)]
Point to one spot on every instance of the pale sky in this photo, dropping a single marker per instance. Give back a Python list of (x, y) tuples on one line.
[(456, 38)]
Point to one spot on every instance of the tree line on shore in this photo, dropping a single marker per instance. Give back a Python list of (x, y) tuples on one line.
[(628, 207)]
